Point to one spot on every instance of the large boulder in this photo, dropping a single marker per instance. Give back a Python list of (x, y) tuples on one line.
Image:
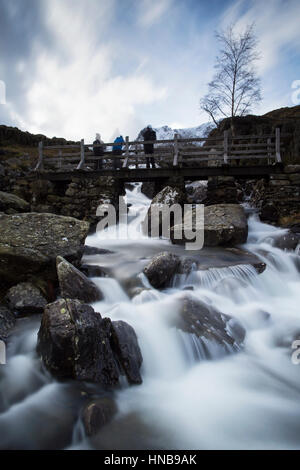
[(74, 342), (164, 199), (161, 269), (124, 343), (25, 298), (7, 322), (209, 325), (224, 225), (30, 243), (74, 284), (97, 413), (11, 204)]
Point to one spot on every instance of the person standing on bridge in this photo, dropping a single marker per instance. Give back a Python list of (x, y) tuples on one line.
[(98, 149), (148, 135), (117, 150)]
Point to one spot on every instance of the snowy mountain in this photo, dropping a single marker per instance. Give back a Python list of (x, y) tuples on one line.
[(167, 133)]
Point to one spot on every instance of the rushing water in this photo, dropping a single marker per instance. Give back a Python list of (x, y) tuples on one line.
[(247, 399)]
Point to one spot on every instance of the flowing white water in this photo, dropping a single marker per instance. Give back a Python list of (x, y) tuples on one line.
[(194, 395)]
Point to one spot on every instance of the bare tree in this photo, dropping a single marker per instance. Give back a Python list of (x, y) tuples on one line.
[(235, 88)]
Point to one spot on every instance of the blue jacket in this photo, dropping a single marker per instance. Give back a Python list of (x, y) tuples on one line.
[(117, 140)]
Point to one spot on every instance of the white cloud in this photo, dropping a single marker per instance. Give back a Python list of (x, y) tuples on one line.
[(74, 92), (277, 26), (152, 11)]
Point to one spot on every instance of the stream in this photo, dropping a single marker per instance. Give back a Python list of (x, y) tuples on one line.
[(191, 397)]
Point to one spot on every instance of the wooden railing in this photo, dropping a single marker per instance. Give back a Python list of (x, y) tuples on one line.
[(176, 151)]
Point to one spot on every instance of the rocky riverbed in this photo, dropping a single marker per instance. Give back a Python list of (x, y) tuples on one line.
[(111, 342)]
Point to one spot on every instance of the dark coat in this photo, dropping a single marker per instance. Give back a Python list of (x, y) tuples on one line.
[(98, 151), (149, 134)]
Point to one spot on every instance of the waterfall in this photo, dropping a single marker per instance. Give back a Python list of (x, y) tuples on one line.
[(196, 393)]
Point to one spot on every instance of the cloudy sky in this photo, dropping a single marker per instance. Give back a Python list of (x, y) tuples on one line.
[(76, 67)]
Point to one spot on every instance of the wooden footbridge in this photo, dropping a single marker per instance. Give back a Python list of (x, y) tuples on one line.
[(244, 156)]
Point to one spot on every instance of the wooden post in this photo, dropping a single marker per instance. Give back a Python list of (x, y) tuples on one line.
[(39, 165), (226, 147), (175, 160), (278, 156), (269, 150), (81, 163), (136, 156), (126, 152)]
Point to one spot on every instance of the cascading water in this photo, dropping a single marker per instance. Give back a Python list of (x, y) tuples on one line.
[(248, 398)]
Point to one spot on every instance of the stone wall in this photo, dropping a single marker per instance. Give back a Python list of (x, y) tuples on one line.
[(278, 199)]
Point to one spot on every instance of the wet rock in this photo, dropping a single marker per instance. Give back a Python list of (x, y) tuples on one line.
[(205, 322), (164, 199), (125, 346), (269, 212), (97, 413), (74, 342), (25, 299), (196, 192), (93, 250), (224, 225), (74, 284), (288, 241), (30, 243), (148, 188), (7, 322), (93, 270), (11, 202), (161, 269)]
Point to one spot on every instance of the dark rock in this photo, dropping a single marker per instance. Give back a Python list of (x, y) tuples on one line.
[(93, 270), (7, 322), (74, 342), (187, 265), (24, 299), (130, 186), (74, 284), (288, 241), (164, 199), (205, 322), (224, 224), (11, 202), (125, 346), (30, 243), (161, 269), (93, 250), (97, 413), (269, 212), (148, 188)]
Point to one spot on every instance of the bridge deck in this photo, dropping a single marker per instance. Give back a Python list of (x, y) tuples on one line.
[(142, 174)]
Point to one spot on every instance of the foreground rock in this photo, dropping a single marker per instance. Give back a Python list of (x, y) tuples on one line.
[(125, 345), (165, 198), (287, 242), (74, 342), (97, 413), (7, 322), (161, 269), (30, 243), (12, 204), (74, 284), (207, 323), (24, 299), (224, 225)]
